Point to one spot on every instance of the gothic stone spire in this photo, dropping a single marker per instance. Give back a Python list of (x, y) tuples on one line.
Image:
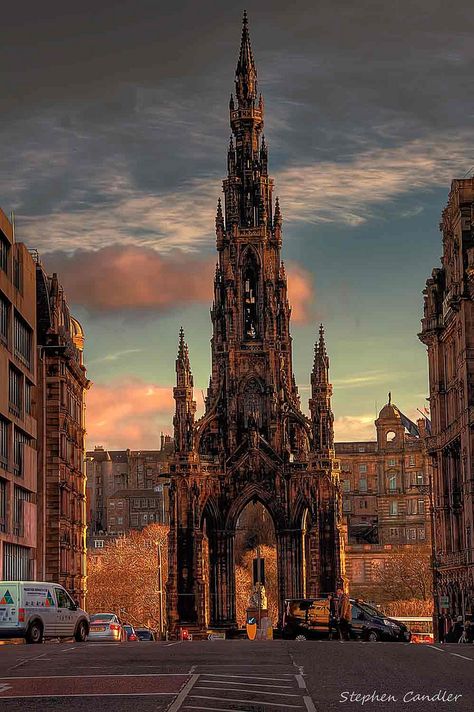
[(185, 407), (320, 402)]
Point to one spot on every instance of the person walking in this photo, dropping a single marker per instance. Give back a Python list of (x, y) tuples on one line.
[(343, 614)]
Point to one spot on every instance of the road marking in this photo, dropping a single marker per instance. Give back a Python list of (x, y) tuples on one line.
[(248, 677), (211, 709), (177, 704), (441, 650), (309, 704), (168, 645), (461, 656), (91, 694), (4, 688), (300, 681), (249, 692), (64, 650), (27, 660), (76, 677), (236, 682), (245, 702)]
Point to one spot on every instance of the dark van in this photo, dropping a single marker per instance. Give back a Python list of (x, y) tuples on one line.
[(308, 619)]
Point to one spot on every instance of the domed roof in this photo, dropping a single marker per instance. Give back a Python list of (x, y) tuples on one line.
[(389, 411)]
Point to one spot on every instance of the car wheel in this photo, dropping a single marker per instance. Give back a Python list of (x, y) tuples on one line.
[(300, 636), (80, 636), (373, 636), (35, 633)]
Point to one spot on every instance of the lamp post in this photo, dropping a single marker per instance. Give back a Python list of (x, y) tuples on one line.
[(160, 589), (427, 489)]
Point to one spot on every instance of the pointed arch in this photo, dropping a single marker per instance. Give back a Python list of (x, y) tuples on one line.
[(254, 491)]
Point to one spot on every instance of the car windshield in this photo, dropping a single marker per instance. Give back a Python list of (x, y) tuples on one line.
[(128, 628), (370, 609), (102, 617), (146, 634)]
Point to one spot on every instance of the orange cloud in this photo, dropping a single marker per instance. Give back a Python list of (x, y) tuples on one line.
[(300, 293), (348, 428), (127, 277), (128, 413)]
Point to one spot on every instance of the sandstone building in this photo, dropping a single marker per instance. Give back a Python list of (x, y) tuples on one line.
[(253, 442), (126, 489), (18, 428), (62, 383), (386, 501), (448, 332)]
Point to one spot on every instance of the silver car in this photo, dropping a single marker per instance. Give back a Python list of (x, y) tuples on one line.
[(106, 627)]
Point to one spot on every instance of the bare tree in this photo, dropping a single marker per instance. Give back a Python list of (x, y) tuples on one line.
[(406, 574), (123, 578)]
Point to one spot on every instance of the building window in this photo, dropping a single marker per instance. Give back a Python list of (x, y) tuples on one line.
[(17, 273), (3, 441), (363, 484), (362, 469), (362, 504), (14, 391), (151, 517), (120, 504), (19, 440), (22, 339), (28, 401), (420, 478), (392, 483), (393, 508), (411, 461), (20, 495), (392, 462), (4, 250), (361, 449), (119, 520), (16, 562), (346, 485), (4, 308), (99, 544), (136, 503), (346, 505), (393, 532), (421, 506), (412, 533), (134, 520), (421, 534), (3, 505), (145, 518), (112, 504)]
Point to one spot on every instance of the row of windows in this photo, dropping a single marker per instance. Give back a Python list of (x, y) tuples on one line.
[(409, 533), (19, 393), (414, 506), (416, 479), (19, 438), (22, 340), (4, 250)]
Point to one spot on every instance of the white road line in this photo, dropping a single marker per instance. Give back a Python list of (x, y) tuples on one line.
[(168, 645), (309, 704), (213, 709), (91, 694), (178, 702), (461, 656), (64, 650), (300, 681), (441, 650), (236, 682), (249, 692), (73, 677), (247, 677), (286, 705)]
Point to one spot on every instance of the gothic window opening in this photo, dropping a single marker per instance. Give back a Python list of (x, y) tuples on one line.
[(250, 302)]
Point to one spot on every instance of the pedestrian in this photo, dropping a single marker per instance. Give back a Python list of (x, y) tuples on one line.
[(343, 614), (333, 627), (457, 631)]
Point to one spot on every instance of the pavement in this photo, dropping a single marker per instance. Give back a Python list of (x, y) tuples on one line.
[(249, 676)]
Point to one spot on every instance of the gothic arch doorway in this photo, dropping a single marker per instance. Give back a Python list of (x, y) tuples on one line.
[(255, 537)]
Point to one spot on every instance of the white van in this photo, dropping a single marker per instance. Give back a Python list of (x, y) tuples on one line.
[(35, 610)]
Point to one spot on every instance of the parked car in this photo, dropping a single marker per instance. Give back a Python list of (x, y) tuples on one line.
[(35, 610), (106, 627), (145, 634), (306, 619), (130, 631)]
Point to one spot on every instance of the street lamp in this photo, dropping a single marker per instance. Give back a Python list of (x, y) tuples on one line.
[(427, 489)]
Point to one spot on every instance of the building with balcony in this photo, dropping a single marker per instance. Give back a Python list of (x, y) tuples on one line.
[(18, 430), (62, 383), (447, 330), (386, 501)]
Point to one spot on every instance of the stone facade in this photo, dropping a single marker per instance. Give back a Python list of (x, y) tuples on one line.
[(18, 457), (253, 442), (448, 332), (386, 499), (62, 383), (110, 472)]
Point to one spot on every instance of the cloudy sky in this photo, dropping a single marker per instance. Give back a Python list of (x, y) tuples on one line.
[(113, 134)]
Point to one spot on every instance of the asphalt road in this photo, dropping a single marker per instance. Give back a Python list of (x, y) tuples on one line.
[(257, 676)]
